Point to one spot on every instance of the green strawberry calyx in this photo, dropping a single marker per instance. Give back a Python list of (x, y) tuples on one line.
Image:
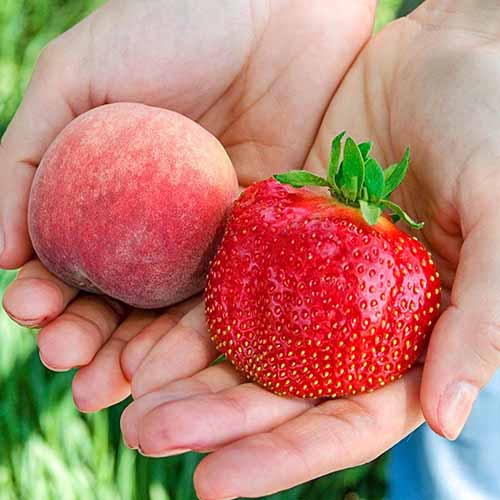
[(356, 179)]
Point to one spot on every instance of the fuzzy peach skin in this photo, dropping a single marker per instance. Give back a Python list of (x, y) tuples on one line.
[(129, 201)]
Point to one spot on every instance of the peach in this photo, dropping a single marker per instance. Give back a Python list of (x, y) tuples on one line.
[(129, 201)]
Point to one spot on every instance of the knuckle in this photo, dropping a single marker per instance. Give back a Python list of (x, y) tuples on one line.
[(53, 64), (346, 421), (47, 58), (235, 403)]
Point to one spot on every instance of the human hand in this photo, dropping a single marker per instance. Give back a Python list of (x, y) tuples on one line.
[(436, 89), (430, 81), (256, 74)]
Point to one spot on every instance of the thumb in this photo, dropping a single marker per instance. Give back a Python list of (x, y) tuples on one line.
[(464, 350), (58, 91)]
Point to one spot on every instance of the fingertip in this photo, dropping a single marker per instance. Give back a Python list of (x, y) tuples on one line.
[(33, 302), (140, 385), (136, 389), (92, 394), (15, 180), (84, 406), (153, 439), (13, 257), (429, 401), (157, 437), (162, 454), (49, 366), (130, 360), (138, 348), (66, 344), (202, 487), (446, 404), (147, 379), (100, 384), (80, 395), (454, 408), (128, 426), (451, 377), (133, 416), (205, 484), (161, 367)]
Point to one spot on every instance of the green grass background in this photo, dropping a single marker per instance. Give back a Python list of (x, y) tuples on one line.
[(48, 450)]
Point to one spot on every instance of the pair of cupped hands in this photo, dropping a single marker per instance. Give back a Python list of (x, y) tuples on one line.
[(275, 81)]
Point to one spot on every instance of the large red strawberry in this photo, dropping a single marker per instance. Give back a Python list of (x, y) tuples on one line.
[(312, 295)]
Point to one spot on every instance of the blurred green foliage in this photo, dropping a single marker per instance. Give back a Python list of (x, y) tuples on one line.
[(48, 449), (26, 26)]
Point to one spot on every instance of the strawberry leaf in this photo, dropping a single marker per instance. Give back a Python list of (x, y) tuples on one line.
[(333, 166), (374, 180), (365, 148), (353, 167), (356, 179), (399, 212), (301, 178), (349, 188), (370, 212), (395, 174)]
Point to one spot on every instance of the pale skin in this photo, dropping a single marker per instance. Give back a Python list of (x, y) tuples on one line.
[(430, 81)]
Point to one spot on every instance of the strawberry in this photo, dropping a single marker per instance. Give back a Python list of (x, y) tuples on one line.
[(319, 296)]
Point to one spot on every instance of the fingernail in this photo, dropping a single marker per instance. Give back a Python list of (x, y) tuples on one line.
[(51, 368), (454, 408), (28, 323), (178, 451), (166, 453), (128, 445), (31, 302), (228, 498)]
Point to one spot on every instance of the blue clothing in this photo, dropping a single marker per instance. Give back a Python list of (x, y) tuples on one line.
[(427, 467)]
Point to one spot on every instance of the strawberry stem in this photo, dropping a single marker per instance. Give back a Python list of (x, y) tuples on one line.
[(356, 179)]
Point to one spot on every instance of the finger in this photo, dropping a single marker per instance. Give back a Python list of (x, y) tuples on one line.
[(181, 352), (73, 339), (15, 178), (332, 436), (58, 91), (138, 348), (102, 383), (464, 350), (211, 380), (207, 421), (36, 296)]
